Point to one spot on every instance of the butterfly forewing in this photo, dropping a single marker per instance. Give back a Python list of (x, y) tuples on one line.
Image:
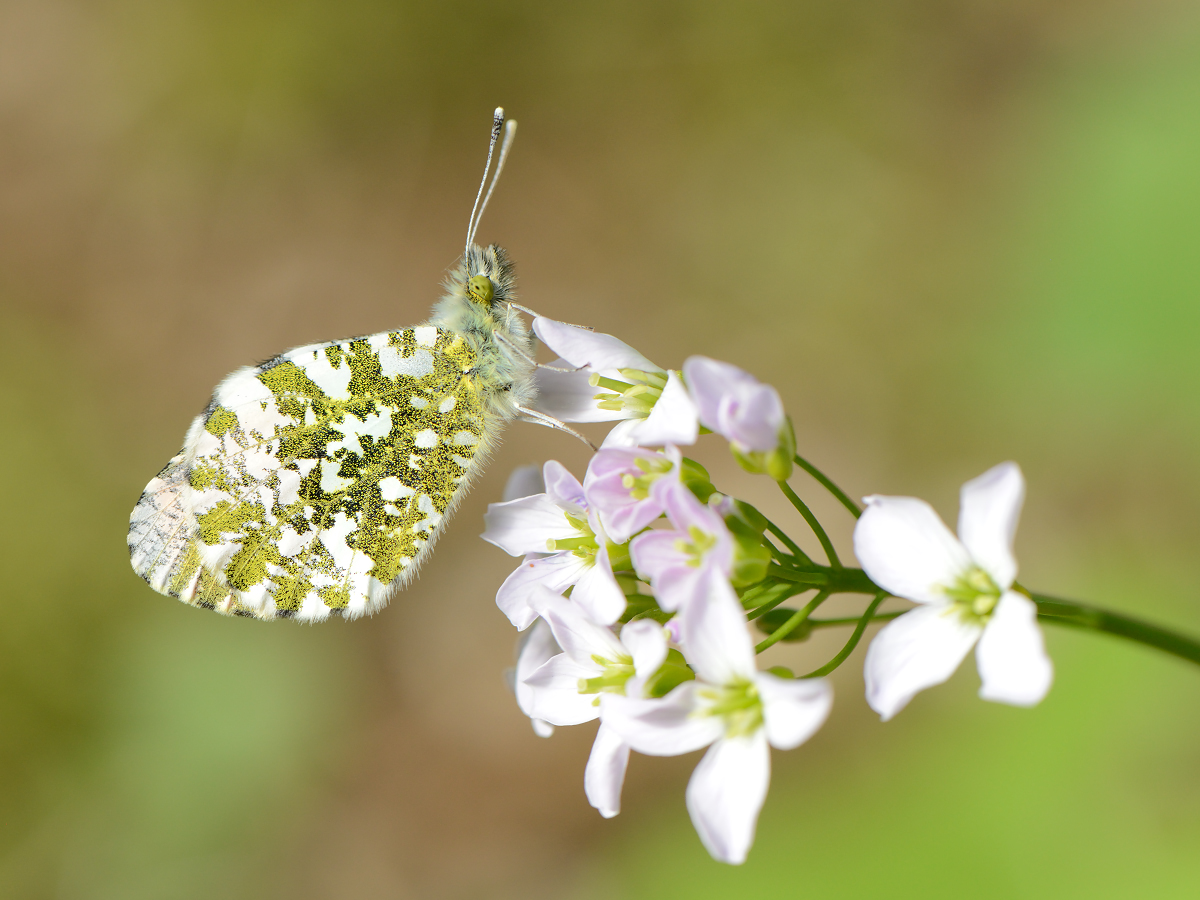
[(315, 483)]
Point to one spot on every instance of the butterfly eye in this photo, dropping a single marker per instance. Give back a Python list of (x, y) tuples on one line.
[(480, 289)]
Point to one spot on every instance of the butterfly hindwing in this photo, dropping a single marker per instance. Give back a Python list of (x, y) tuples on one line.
[(315, 483)]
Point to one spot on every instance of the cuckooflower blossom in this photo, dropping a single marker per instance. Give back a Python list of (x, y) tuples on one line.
[(678, 563), (534, 647), (746, 412), (733, 707), (964, 588), (628, 486), (563, 544), (652, 402), (566, 689)]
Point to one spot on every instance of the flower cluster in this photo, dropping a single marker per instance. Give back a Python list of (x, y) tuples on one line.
[(637, 586)]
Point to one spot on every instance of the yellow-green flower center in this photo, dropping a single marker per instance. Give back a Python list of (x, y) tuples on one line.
[(637, 394), (611, 680), (584, 546), (974, 595), (701, 542), (652, 469), (738, 704)]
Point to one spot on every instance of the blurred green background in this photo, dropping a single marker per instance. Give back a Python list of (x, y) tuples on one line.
[(951, 233)]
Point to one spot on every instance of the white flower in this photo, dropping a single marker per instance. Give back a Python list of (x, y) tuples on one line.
[(534, 647), (563, 545), (744, 411), (566, 689), (652, 401), (677, 563), (733, 707), (964, 588)]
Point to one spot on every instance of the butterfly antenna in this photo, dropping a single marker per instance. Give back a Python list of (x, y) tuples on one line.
[(510, 131), (497, 122)]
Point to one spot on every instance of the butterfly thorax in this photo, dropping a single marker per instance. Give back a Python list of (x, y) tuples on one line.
[(476, 305)]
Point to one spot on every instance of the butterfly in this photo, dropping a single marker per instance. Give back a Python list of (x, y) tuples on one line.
[(316, 483)]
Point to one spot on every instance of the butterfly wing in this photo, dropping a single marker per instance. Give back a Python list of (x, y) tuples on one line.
[(316, 483)]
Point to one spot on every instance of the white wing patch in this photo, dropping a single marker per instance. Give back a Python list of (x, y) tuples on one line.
[(314, 484)]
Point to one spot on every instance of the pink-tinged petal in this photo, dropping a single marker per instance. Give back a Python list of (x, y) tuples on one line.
[(655, 553), (665, 727), (597, 591), (672, 420), (1011, 654), (647, 644), (793, 708), (525, 481), (536, 647), (564, 488), (557, 572), (682, 587), (752, 416), (605, 773), (916, 651), (715, 639), (581, 638), (621, 514), (581, 347), (708, 381), (570, 397), (554, 692), (989, 508), (524, 526), (907, 550), (686, 512), (726, 793)]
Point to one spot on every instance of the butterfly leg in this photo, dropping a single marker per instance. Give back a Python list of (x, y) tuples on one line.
[(530, 312), (501, 339), (540, 418)]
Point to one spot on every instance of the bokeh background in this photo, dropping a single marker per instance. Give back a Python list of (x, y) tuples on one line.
[(951, 233)]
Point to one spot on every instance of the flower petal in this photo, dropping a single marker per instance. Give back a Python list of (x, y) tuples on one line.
[(918, 650), (570, 397), (708, 380), (672, 420), (597, 590), (623, 434), (536, 647), (715, 639), (524, 481), (557, 572), (1011, 654), (605, 773), (554, 692), (581, 637), (662, 727), (989, 508), (525, 525), (564, 488), (907, 550), (582, 347), (726, 793), (620, 512), (793, 708), (647, 644)]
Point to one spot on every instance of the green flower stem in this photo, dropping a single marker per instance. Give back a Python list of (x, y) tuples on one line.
[(840, 658), (781, 593), (793, 623), (854, 620), (826, 544), (829, 486), (1080, 615), (787, 541)]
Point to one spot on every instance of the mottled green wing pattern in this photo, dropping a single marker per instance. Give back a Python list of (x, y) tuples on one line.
[(314, 484)]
